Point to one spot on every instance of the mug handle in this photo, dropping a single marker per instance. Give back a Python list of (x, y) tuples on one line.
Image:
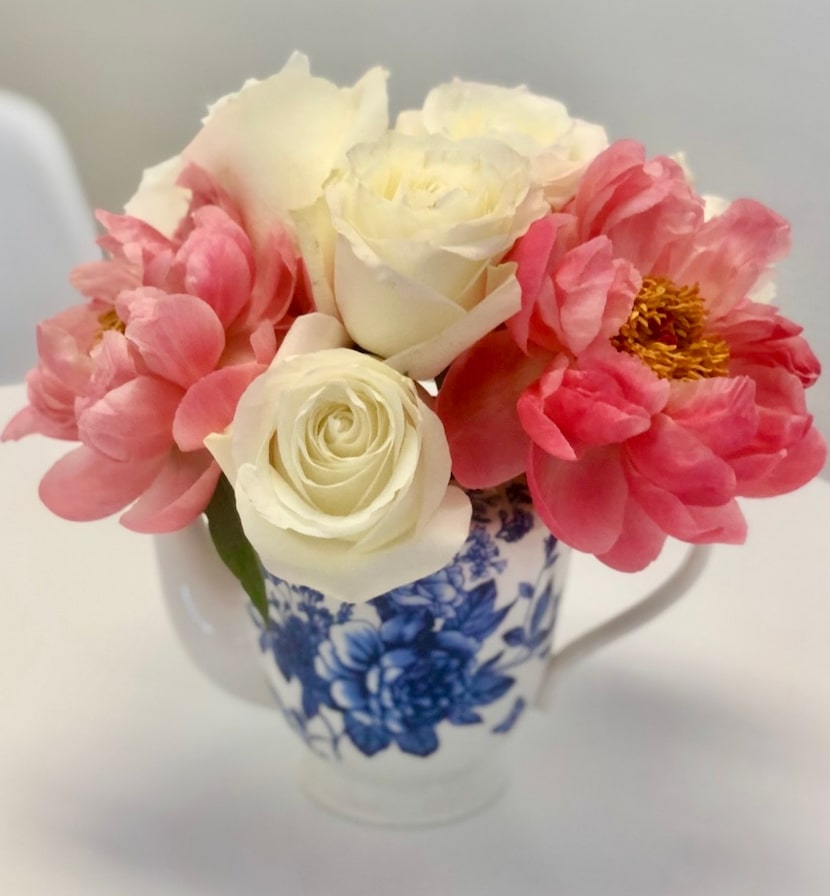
[(661, 598)]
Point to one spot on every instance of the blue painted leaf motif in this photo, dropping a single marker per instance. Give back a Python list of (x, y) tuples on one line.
[(369, 739), (511, 718), (406, 628), (438, 595), (481, 554), (420, 742), (293, 639), (518, 492), (525, 590), (488, 685), (344, 613), (477, 617), (463, 715), (514, 526), (540, 610), (515, 637)]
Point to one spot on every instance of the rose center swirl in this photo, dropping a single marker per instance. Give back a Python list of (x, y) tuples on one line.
[(666, 330)]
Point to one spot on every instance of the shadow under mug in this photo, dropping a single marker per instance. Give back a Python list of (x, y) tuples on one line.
[(404, 702)]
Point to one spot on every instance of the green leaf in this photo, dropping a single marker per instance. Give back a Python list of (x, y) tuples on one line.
[(233, 547)]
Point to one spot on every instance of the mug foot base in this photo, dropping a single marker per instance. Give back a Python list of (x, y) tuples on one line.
[(396, 803)]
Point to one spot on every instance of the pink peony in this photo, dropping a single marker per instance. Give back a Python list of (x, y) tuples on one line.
[(639, 388), (172, 333)]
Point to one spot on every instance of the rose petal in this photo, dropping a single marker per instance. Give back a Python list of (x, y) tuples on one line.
[(249, 148), (428, 358), (335, 568)]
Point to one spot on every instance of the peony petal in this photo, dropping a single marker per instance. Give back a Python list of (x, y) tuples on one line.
[(645, 207), (568, 410), (209, 405), (125, 229), (582, 502), (103, 280), (179, 336), (788, 470), (731, 253), (722, 523), (64, 342), (132, 422), (218, 264), (719, 412), (583, 281), (640, 541), (479, 395), (86, 485), (674, 459), (178, 494), (277, 275), (532, 408), (759, 335), (533, 255)]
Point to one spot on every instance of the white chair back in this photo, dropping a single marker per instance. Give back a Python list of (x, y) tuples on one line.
[(46, 227)]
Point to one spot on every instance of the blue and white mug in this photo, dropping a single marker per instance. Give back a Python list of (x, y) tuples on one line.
[(404, 703)]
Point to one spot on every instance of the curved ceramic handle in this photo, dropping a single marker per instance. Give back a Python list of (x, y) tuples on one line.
[(209, 611), (643, 611)]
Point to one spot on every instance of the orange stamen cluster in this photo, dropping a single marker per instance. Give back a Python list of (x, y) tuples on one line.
[(666, 331)]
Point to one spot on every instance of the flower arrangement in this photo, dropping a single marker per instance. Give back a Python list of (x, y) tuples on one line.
[(320, 330)]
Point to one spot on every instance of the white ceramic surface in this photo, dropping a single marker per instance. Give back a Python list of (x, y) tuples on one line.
[(405, 704), (691, 758)]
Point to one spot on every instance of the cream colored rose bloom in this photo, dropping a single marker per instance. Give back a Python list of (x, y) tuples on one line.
[(341, 472), (271, 144), (559, 147), (158, 200), (407, 241)]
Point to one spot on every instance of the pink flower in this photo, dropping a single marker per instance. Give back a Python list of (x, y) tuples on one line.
[(638, 388), (172, 333)]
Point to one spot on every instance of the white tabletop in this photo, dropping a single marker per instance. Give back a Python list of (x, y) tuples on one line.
[(691, 758)]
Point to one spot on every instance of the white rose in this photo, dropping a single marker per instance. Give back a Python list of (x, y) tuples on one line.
[(272, 144), (341, 472), (159, 200), (559, 147), (407, 241)]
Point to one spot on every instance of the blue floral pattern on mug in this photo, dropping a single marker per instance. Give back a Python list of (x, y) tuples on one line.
[(392, 671)]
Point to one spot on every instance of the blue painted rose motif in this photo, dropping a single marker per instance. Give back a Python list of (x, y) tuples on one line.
[(390, 673), (440, 594), (398, 681)]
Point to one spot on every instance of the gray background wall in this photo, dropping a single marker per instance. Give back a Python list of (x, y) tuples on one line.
[(740, 85)]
